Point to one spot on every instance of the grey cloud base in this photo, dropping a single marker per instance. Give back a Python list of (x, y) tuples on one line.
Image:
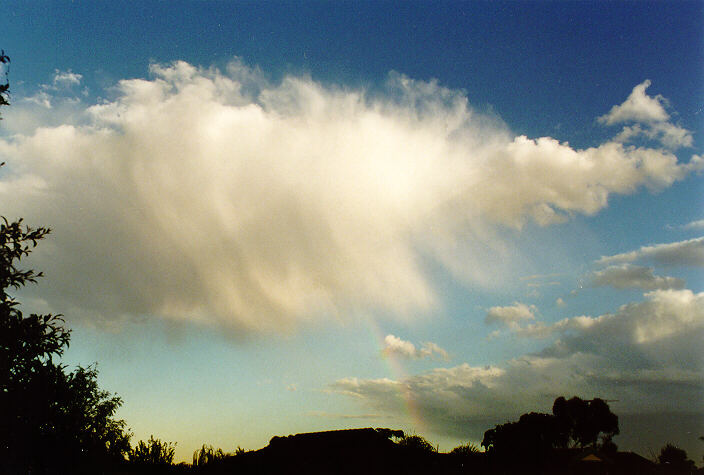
[(647, 355)]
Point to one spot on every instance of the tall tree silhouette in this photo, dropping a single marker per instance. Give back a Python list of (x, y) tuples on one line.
[(51, 420), (675, 459), (582, 422), (574, 422)]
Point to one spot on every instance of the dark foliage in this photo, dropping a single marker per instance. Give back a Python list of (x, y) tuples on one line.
[(370, 451), (465, 450), (207, 455), (675, 460), (351, 451), (533, 438), (4, 88), (153, 452), (416, 444), (582, 421), (52, 420)]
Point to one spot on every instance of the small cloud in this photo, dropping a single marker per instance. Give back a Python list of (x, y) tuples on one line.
[(66, 79), (682, 253), (41, 98), (649, 111), (393, 345), (560, 302), (405, 349), (638, 107), (56, 92), (699, 224), (432, 350), (670, 135), (511, 315), (627, 276)]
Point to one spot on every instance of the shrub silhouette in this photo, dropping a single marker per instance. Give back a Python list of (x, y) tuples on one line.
[(532, 435), (466, 449), (416, 444), (207, 455), (675, 459), (51, 420), (153, 452), (65, 413)]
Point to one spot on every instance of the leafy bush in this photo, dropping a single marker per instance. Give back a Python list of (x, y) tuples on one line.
[(466, 449), (417, 444), (51, 419), (153, 452), (206, 455), (675, 458)]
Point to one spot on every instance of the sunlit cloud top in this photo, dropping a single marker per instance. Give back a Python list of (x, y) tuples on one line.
[(220, 197)]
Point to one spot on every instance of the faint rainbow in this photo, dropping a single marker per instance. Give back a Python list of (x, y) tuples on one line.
[(411, 408)]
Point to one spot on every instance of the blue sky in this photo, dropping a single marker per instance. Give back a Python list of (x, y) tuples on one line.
[(278, 217)]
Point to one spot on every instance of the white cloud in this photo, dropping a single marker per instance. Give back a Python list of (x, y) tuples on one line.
[(66, 79), (53, 104), (638, 107), (395, 346), (511, 315), (699, 224), (626, 276), (647, 355), (228, 200), (670, 135), (430, 349), (41, 98), (681, 253), (650, 112), (663, 314)]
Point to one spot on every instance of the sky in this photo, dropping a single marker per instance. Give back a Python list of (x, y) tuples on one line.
[(280, 217)]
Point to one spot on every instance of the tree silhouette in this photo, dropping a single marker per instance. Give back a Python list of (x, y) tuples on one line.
[(51, 420), (574, 422), (532, 435), (206, 455), (416, 444), (465, 449), (153, 452), (582, 421), (675, 459)]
